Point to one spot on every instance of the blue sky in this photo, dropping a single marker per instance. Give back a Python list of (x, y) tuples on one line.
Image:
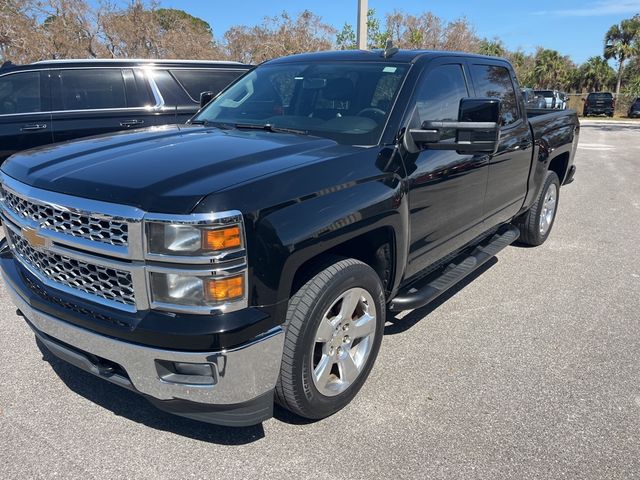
[(575, 28)]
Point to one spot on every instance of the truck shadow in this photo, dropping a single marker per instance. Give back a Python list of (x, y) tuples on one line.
[(129, 405), (397, 325)]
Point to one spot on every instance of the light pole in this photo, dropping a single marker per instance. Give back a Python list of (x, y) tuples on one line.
[(362, 24)]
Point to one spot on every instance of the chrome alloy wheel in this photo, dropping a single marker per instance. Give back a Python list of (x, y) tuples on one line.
[(548, 208), (343, 341)]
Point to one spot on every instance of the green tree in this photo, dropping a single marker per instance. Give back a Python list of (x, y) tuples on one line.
[(622, 42), (346, 39), (596, 74), (493, 48), (169, 17), (551, 70)]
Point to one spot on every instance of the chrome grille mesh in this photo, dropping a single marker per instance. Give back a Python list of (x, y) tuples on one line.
[(110, 231), (108, 283)]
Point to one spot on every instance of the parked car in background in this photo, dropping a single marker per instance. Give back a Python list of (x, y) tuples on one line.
[(531, 100), (58, 100), (549, 97), (599, 103), (634, 109), (253, 253), (553, 99)]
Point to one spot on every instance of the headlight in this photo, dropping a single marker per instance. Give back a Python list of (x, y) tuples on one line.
[(199, 291), (191, 240), (189, 269)]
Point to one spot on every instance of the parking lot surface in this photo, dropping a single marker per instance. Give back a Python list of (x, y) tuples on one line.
[(530, 369)]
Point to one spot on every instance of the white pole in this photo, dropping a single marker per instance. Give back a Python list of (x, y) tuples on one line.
[(362, 24)]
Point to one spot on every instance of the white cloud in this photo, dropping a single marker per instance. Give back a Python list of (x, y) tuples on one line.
[(595, 9)]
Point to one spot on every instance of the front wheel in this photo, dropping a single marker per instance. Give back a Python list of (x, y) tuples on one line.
[(535, 225), (334, 329)]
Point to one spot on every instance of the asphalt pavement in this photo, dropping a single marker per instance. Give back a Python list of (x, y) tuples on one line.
[(529, 369)]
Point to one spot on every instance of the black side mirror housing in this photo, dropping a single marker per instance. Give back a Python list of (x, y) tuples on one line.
[(206, 97), (476, 131)]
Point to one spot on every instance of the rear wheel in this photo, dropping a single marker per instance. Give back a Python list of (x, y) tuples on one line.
[(334, 329), (535, 225)]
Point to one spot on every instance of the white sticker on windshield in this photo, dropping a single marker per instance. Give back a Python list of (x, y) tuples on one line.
[(389, 69)]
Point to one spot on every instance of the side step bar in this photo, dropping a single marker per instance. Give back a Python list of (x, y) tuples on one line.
[(454, 272)]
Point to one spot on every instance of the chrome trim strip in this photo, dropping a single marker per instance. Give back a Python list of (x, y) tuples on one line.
[(82, 206), (157, 95), (243, 373)]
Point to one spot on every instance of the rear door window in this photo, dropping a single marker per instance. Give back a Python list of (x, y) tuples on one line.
[(495, 81), (90, 89), (20, 93), (196, 81)]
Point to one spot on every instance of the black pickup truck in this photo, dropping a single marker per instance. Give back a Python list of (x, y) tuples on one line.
[(253, 254)]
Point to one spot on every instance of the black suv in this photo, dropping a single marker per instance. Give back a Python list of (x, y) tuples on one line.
[(58, 100), (634, 109), (599, 103)]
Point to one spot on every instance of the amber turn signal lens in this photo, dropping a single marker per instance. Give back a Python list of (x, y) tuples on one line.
[(222, 289), (221, 238)]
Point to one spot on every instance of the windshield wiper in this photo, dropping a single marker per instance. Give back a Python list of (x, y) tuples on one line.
[(209, 123), (270, 128)]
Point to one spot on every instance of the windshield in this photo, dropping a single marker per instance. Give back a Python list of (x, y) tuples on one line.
[(346, 102)]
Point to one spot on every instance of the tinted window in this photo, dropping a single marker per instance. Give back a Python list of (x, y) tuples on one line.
[(493, 81), (172, 93), (197, 81), (90, 89), (138, 94), (20, 93), (439, 95)]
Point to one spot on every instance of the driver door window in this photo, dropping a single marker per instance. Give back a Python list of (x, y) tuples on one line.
[(439, 96)]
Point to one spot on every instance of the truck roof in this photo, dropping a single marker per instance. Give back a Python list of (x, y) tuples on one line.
[(401, 56)]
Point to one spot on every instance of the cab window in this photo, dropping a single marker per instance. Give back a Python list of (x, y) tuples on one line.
[(438, 97)]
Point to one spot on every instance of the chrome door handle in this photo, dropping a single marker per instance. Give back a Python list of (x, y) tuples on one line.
[(33, 126), (131, 123)]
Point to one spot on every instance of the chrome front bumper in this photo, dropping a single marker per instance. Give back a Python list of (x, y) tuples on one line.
[(239, 375)]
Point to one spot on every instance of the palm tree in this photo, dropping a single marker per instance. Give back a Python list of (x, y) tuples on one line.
[(622, 42), (551, 70), (493, 48), (596, 74)]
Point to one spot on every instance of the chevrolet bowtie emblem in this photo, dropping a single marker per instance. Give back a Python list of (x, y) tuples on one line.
[(32, 236)]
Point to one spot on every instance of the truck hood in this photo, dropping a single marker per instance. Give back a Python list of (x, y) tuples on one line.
[(166, 169)]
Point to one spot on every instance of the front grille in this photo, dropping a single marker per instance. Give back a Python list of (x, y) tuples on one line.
[(42, 293), (105, 282), (110, 231)]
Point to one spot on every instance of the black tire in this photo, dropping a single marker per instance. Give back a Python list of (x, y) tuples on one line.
[(295, 389), (529, 222)]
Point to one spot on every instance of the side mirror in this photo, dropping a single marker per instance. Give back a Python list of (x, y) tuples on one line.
[(476, 131), (206, 97)]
